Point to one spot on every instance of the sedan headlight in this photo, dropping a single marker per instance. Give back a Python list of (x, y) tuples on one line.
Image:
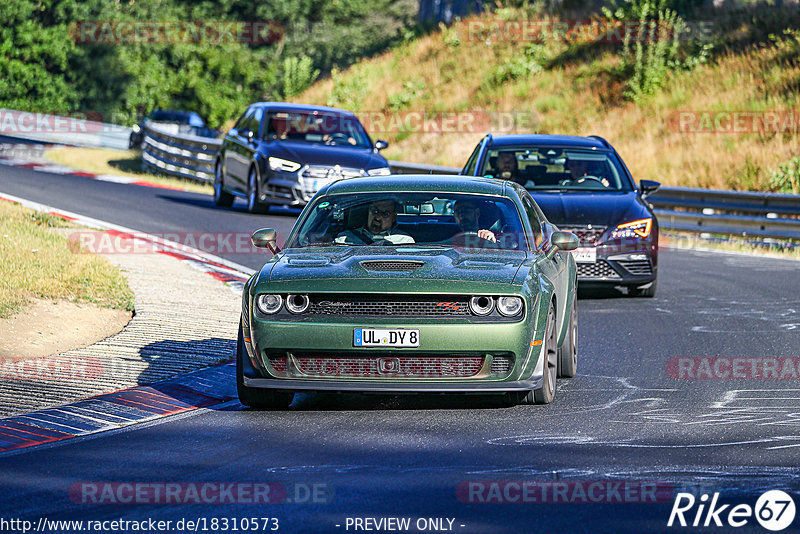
[(278, 164), (509, 306), (640, 228), (380, 171), (268, 303)]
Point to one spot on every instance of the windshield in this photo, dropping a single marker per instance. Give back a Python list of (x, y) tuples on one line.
[(546, 168), (316, 127), (396, 219)]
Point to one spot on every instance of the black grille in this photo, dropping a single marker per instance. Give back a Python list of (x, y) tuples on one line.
[(387, 365), (638, 267), (389, 305), (391, 265), (501, 365), (599, 269), (586, 236)]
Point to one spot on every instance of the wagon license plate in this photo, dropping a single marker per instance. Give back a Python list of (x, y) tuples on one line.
[(585, 255), (377, 337)]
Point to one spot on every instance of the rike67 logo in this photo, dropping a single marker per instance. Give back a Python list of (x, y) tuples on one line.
[(774, 510)]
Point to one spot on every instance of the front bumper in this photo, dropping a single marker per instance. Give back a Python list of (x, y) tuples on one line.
[(633, 266), (268, 338)]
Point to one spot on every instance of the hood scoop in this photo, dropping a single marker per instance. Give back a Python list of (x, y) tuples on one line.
[(308, 262), (392, 265)]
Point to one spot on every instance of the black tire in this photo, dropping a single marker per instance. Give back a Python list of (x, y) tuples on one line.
[(253, 204), (222, 198), (648, 292), (261, 399), (568, 351), (545, 394)]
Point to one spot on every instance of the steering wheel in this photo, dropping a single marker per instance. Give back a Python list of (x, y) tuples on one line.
[(590, 177), (472, 240), (338, 138)]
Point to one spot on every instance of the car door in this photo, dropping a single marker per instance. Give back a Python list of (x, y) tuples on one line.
[(238, 150)]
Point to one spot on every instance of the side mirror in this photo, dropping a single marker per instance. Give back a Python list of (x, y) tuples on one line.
[(265, 238), (380, 144), (648, 186), (562, 242)]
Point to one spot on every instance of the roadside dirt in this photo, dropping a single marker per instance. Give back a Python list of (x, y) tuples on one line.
[(48, 327)]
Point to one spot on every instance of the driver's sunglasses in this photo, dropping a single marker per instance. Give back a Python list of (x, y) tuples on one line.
[(384, 214)]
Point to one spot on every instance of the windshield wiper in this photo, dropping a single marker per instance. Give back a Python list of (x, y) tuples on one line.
[(324, 244)]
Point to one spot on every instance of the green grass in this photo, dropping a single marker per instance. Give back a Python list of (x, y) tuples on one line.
[(39, 262), (121, 163)]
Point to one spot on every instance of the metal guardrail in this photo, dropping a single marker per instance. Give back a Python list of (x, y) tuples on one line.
[(763, 215), (183, 155)]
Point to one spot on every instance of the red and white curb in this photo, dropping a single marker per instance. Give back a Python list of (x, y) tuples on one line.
[(232, 274)]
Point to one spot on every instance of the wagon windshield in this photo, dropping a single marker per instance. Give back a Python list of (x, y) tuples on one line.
[(396, 219)]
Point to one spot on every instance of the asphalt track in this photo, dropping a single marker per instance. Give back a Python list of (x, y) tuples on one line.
[(625, 418)]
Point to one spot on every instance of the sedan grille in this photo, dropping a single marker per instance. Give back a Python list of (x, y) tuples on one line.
[(389, 305), (588, 237), (638, 267), (391, 265), (380, 366), (600, 269)]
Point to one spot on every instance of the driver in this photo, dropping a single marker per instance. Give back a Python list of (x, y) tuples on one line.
[(507, 167), (380, 228), (581, 169), (467, 215)]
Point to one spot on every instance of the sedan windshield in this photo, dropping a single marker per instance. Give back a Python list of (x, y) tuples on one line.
[(546, 168), (316, 127), (399, 219)]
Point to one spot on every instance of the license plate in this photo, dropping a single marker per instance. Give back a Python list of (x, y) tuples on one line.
[(377, 337), (585, 255)]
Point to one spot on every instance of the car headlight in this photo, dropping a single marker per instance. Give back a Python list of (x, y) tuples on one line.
[(268, 303), (279, 164), (297, 303), (640, 228), (380, 171), (509, 306), (481, 305)]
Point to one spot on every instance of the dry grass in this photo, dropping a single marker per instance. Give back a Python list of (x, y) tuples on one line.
[(578, 92), (120, 163), (38, 262)]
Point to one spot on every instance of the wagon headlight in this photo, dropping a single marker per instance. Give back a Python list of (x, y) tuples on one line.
[(481, 305), (380, 171), (269, 304), (640, 228), (279, 164), (297, 303), (509, 306)]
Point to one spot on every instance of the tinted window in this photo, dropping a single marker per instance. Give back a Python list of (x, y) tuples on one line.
[(533, 217), (566, 169), (316, 127), (437, 219), (243, 120), (469, 168)]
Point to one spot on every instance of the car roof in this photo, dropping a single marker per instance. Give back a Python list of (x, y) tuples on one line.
[(420, 182), (562, 141), (288, 106)]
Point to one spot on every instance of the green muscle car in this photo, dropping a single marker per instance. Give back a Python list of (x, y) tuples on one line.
[(411, 284)]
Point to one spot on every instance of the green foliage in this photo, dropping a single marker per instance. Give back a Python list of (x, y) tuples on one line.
[(298, 75), (449, 36), (43, 69), (348, 91), (786, 178), (401, 100), (519, 67)]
